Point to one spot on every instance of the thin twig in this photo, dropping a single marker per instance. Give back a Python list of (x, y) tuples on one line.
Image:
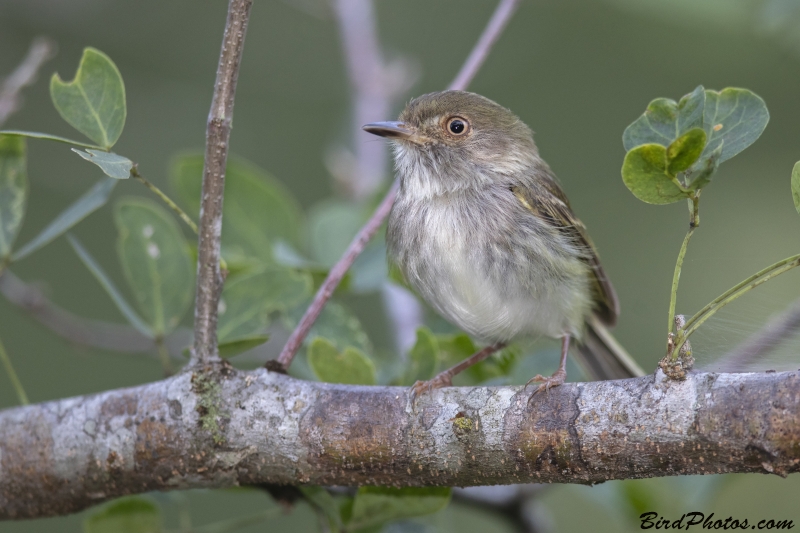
[(762, 342), (496, 24), (163, 357), (83, 331), (41, 50), (334, 277), (734, 292), (502, 14), (209, 273), (12, 375), (166, 199)]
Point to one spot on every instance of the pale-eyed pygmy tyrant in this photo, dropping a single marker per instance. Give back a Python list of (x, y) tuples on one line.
[(483, 232)]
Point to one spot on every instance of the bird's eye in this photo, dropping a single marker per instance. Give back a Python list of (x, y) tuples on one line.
[(457, 126)]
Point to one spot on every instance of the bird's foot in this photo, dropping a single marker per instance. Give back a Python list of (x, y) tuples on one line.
[(558, 378), (443, 379)]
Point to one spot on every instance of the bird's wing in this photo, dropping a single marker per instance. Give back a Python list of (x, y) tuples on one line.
[(545, 200)]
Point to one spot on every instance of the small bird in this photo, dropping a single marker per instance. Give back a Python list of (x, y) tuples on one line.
[(483, 232)]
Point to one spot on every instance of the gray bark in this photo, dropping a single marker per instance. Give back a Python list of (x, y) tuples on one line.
[(218, 131), (228, 427)]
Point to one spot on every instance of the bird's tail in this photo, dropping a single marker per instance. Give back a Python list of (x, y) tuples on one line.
[(602, 357)]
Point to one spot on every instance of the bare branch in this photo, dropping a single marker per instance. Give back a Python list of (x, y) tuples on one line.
[(256, 427), (209, 275), (490, 35), (84, 331), (41, 50), (371, 94), (762, 342), (334, 277), (502, 14)]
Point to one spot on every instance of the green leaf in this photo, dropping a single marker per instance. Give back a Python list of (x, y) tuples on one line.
[(735, 117), (685, 150), (336, 323), (116, 296), (332, 225), (350, 367), (369, 270), (94, 198), (13, 190), (248, 299), (644, 172), (156, 261), (233, 348), (126, 515), (113, 165), (702, 172), (94, 102), (796, 186), (640, 496), (259, 210), (48, 137), (499, 365), (454, 348), (423, 357), (378, 505), (665, 120), (287, 255), (322, 501)]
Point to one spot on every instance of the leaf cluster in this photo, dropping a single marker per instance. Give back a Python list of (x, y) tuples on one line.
[(674, 148)]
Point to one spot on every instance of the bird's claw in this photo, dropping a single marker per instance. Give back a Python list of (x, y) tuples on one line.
[(423, 387), (546, 382)]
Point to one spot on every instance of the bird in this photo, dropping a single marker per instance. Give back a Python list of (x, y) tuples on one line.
[(482, 230)]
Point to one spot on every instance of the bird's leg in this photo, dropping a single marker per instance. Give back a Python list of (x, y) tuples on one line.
[(559, 376), (445, 378)]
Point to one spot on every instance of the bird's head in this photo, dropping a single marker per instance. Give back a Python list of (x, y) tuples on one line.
[(453, 139)]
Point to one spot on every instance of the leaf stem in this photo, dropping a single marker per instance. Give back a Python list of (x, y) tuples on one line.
[(733, 293), (694, 223), (12, 375), (166, 199), (48, 137), (163, 356)]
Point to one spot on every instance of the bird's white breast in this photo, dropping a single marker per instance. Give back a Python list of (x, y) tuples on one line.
[(442, 242)]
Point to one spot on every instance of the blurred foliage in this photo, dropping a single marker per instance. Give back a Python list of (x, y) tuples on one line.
[(13, 191), (350, 366), (580, 60), (132, 514)]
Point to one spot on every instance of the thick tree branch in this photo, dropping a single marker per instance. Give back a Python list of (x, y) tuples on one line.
[(494, 28), (218, 130), (190, 431)]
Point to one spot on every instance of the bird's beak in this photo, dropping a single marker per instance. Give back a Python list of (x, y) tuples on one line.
[(390, 130)]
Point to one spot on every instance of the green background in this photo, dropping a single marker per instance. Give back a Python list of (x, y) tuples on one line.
[(577, 72)]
